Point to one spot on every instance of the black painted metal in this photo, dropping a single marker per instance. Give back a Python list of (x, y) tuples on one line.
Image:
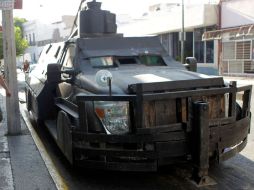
[(67, 107), (82, 98), (207, 133), (200, 141), (244, 88), (96, 21), (225, 136), (131, 138), (167, 133), (246, 103), (232, 152), (176, 85), (139, 106), (83, 124), (188, 93), (161, 129), (232, 100)]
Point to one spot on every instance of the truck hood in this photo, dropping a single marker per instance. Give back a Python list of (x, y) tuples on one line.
[(123, 78)]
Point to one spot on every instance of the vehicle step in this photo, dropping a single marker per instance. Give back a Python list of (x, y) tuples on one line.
[(51, 125)]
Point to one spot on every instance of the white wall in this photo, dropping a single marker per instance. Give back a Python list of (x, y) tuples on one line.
[(44, 32), (163, 22), (237, 13), (41, 31)]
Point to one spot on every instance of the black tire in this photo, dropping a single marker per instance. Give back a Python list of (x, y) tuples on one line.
[(238, 112), (28, 100)]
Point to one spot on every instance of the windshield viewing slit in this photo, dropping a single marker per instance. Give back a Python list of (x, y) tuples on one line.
[(110, 61)]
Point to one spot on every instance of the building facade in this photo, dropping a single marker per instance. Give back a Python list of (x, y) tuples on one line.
[(165, 20), (237, 21), (38, 34), (235, 38)]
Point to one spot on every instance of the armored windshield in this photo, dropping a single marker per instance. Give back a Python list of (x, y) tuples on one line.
[(116, 51), (114, 61)]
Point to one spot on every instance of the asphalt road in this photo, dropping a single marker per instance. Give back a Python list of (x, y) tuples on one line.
[(234, 174)]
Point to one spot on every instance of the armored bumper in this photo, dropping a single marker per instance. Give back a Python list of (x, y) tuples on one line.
[(191, 125)]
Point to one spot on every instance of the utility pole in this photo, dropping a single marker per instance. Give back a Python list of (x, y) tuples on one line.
[(9, 50), (182, 35)]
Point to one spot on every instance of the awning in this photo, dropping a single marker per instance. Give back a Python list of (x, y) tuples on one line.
[(245, 30)]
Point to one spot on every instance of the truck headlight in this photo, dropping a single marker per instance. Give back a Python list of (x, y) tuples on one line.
[(114, 116)]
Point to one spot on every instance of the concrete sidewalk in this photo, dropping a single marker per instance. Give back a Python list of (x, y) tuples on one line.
[(21, 165)]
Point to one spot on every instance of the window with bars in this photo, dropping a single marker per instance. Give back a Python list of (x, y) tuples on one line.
[(243, 50), (225, 66), (237, 50), (228, 50), (235, 67), (249, 66), (238, 56)]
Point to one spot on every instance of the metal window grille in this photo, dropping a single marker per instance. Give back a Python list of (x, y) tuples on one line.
[(243, 50), (228, 50), (236, 57)]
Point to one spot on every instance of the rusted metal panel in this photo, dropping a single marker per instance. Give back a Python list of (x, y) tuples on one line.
[(221, 121), (216, 105), (246, 103), (161, 129), (166, 132), (116, 152), (188, 93), (172, 149), (149, 114), (232, 152), (184, 110), (139, 138), (159, 113), (165, 112), (229, 135)]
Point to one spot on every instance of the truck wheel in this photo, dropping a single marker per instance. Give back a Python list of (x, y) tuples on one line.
[(28, 100), (32, 117), (238, 111)]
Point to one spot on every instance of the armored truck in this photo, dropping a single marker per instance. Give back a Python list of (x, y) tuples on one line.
[(122, 103)]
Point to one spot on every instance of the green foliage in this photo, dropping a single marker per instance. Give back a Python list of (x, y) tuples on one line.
[(18, 23), (21, 43)]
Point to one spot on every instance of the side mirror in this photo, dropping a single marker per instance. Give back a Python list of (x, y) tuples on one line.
[(191, 64), (68, 73), (54, 73)]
